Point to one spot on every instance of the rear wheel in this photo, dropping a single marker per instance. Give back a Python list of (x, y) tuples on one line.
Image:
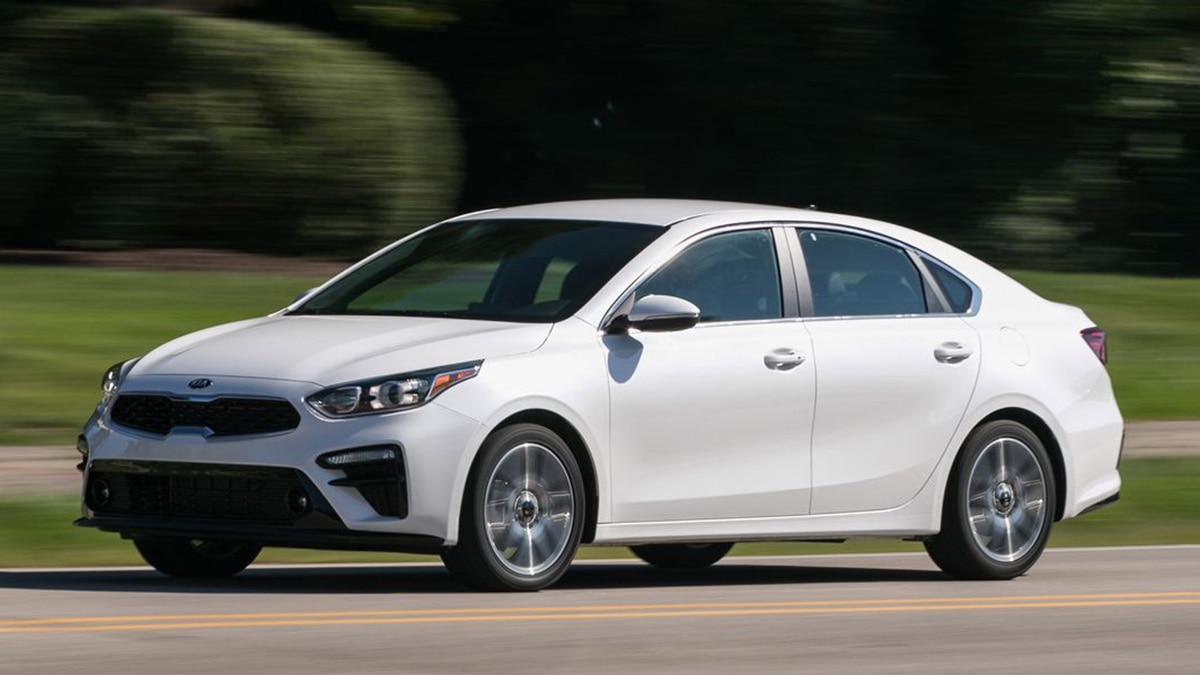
[(682, 556), (522, 515), (999, 505), (197, 559)]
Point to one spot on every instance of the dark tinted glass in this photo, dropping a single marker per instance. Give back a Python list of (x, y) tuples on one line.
[(730, 277), (858, 276), (508, 270), (958, 292)]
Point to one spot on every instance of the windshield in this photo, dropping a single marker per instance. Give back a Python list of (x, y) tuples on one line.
[(507, 270)]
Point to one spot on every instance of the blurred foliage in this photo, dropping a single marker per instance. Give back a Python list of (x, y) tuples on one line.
[(1038, 133), (165, 128)]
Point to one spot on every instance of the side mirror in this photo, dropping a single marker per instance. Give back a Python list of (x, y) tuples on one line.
[(657, 313)]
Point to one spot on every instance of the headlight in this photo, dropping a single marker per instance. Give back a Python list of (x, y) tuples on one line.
[(111, 382), (392, 393)]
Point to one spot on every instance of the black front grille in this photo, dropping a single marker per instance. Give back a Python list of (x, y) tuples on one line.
[(223, 416), (204, 491)]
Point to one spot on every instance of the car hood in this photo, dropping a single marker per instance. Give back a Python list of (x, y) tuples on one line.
[(328, 350)]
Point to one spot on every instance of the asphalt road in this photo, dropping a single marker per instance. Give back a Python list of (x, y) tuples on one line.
[(1127, 610)]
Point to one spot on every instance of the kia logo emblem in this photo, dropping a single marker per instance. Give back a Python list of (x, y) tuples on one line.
[(200, 383)]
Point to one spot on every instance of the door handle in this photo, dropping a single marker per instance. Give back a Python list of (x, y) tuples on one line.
[(952, 352), (783, 359)]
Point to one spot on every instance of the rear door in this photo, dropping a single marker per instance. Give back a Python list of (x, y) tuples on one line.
[(894, 370)]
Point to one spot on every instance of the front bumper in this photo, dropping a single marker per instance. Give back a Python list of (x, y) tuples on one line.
[(349, 509), (266, 505)]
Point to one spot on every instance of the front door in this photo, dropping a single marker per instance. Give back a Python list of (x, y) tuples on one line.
[(714, 422)]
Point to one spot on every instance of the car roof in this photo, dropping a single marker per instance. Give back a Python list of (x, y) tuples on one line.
[(661, 212)]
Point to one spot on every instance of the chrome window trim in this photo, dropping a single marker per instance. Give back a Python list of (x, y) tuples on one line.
[(875, 317)]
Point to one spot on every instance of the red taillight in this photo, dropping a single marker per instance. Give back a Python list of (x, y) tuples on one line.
[(1098, 341)]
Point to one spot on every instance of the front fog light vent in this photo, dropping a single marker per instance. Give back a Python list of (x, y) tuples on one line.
[(344, 458), (100, 493), (376, 472), (298, 502)]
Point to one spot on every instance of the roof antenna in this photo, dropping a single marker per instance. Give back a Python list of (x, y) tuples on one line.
[(811, 207)]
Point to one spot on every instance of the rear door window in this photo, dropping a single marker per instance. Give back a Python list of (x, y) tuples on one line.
[(852, 275)]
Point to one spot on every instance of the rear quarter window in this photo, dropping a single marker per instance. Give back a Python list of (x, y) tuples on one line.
[(958, 292)]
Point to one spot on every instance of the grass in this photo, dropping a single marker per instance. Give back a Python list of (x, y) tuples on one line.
[(61, 327), (1160, 504), (1153, 330)]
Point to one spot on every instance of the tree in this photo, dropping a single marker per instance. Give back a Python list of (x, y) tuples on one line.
[(170, 128)]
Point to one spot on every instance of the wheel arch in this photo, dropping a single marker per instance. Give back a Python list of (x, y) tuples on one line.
[(1045, 434), (583, 456)]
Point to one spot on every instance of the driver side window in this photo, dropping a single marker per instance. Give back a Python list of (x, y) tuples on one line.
[(731, 277)]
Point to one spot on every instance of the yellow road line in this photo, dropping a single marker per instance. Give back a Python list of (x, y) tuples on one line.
[(589, 612)]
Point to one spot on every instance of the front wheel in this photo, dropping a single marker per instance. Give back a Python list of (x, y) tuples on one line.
[(197, 559), (999, 505), (522, 515), (682, 556)]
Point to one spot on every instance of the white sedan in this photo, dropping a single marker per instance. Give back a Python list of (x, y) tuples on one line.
[(674, 376)]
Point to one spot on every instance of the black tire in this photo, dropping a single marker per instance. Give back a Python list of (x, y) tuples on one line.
[(197, 559), (682, 556), (999, 506), (536, 506)]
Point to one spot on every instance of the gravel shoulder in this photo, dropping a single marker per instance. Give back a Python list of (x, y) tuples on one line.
[(51, 469)]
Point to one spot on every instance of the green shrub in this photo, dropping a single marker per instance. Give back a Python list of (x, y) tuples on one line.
[(149, 127)]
